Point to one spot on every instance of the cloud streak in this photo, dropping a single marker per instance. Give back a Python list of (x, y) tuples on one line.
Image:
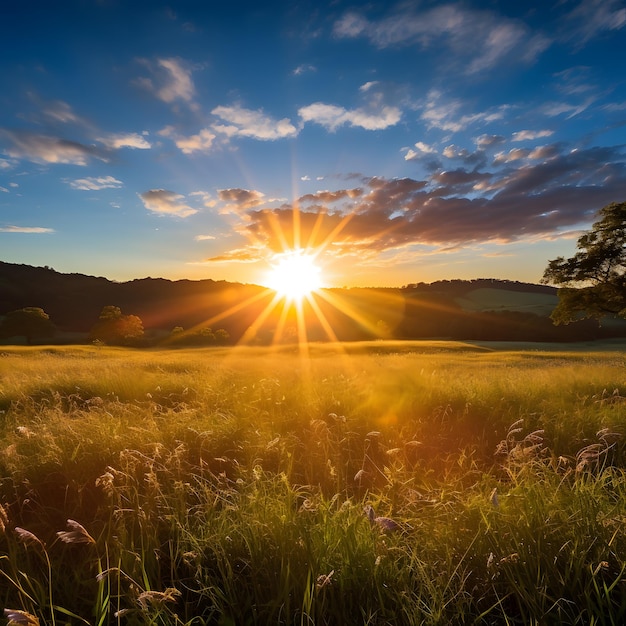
[(96, 183), (40, 148), (332, 117), (482, 37), (29, 230)]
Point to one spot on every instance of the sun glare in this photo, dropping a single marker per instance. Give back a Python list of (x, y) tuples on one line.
[(294, 275)]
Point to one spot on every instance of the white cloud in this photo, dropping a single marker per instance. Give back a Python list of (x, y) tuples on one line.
[(500, 41), (421, 149), (487, 141), (369, 85), (25, 229), (453, 152), (4, 189), (166, 202), (332, 117), (170, 80), (445, 115), (60, 111), (207, 199), (255, 124), (5, 164), (512, 155), (204, 237), (201, 142), (125, 140), (351, 25), (526, 135), (304, 68), (95, 184)]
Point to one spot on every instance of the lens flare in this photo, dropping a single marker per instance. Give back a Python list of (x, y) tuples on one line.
[(294, 275)]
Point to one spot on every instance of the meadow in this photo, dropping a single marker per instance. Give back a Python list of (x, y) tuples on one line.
[(233, 485)]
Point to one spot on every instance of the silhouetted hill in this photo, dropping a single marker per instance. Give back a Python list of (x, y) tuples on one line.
[(74, 301), (457, 309)]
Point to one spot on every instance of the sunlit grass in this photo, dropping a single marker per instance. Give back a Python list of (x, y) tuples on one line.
[(228, 486)]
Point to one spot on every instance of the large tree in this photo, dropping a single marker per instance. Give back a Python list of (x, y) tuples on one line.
[(30, 322), (115, 328), (593, 281)]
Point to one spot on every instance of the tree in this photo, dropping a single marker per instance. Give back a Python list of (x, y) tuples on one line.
[(114, 328), (593, 281), (30, 322)]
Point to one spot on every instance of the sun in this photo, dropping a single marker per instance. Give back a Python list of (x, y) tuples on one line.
[(294, 275)]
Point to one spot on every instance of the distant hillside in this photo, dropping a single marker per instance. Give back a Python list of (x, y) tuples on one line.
[(457, 309), (74, 301)]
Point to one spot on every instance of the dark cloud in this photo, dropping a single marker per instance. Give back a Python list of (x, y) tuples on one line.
[(533, 198), (460, 178), (490, 141), (330, 197), (40, 148), (241, 199)]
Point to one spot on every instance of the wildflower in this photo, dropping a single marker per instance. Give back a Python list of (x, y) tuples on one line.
[(15, 616), (28, 538), (76, 534)]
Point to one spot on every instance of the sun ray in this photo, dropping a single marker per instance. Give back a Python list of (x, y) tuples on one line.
[(328, 329), (342, 305), (253, 329)]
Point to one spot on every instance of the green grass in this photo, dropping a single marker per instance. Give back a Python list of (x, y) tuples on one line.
[(228, 486)]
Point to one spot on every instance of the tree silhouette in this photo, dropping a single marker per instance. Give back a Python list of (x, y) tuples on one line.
[(30, 322), (593, 281)]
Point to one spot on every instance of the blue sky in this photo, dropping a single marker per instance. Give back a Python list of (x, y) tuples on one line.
[(405, 142)]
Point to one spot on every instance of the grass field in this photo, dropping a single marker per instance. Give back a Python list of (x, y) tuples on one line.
[(230, 486)]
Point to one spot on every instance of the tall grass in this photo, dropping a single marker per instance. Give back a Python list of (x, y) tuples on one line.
[(226, 486)]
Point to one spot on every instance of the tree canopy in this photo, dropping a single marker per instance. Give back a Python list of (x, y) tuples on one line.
[(30, 322), (115, 328), (593, 281)]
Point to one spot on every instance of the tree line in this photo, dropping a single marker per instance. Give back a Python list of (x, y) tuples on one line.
[(111, 328)]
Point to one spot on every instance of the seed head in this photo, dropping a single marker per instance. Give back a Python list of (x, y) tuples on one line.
[(15, 616), (76, 533), (147, 598), (28, 538)]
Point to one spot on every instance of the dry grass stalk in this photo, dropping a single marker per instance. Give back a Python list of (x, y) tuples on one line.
[(4, 519), (148, 598), (76, 534)]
